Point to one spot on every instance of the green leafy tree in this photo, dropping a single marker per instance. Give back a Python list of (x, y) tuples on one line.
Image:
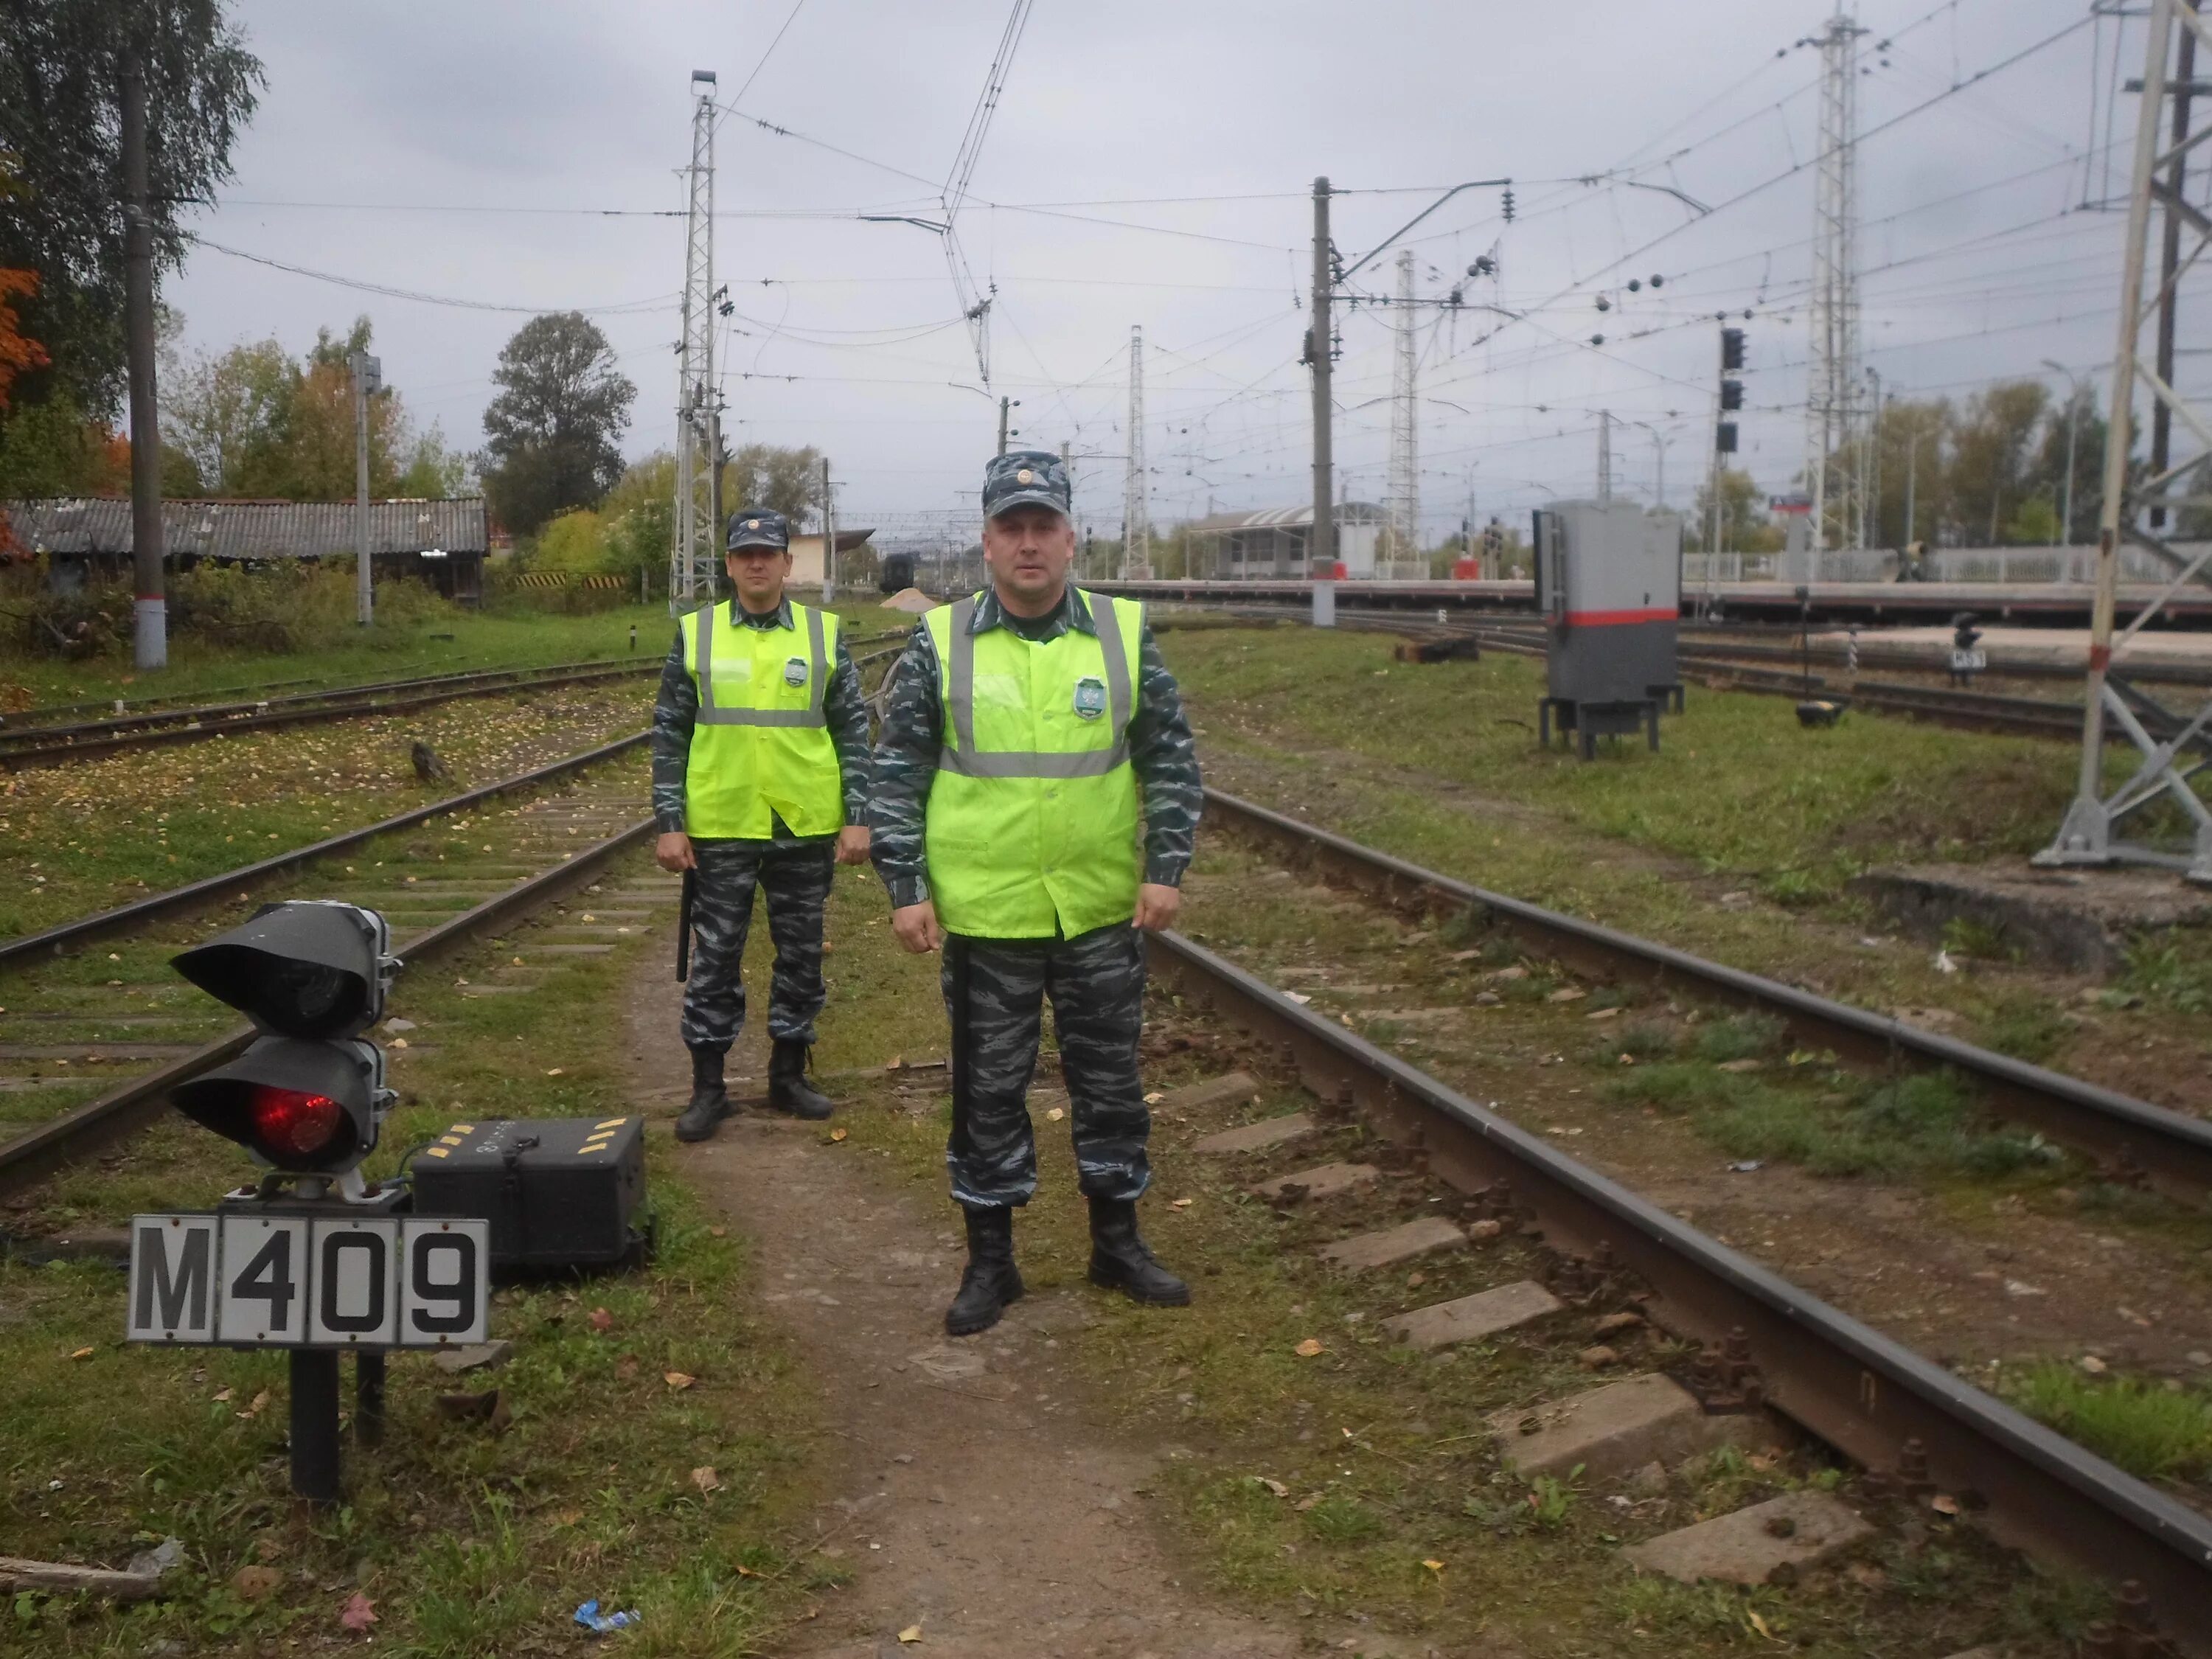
[(1913, 440), (1991, 445), (785, 481), (553, 432), (1746, 527), (61, 74)]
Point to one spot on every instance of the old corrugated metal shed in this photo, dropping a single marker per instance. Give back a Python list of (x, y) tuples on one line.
[(246, 532)]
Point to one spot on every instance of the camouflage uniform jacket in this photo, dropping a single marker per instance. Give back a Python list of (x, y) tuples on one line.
[(676, 711), (1161, 751)]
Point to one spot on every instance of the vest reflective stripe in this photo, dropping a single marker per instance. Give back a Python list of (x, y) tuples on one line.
[(761, 748), (1025, 840), (962, 756), (703, 669)]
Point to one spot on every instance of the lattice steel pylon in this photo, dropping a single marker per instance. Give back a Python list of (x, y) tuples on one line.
[(1832, 392), (695, 560), (1402, 507), (1136, 498), (2169, 764)]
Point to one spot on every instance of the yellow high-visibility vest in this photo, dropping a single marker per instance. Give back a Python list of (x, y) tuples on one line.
[(1031, 824), (762, 743)]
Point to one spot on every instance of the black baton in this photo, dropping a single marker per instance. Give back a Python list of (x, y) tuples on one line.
[(683, 925)]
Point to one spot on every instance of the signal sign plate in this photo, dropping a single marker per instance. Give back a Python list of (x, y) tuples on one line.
[(246, 1279)]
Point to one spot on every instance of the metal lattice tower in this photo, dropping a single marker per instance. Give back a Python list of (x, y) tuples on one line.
[(1136, 508), (1403, 506), (695, 561), (1831, 393), (2170, 767)]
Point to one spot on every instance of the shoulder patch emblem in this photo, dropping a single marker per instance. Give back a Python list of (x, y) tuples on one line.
[(1090, 698), (795, 670)]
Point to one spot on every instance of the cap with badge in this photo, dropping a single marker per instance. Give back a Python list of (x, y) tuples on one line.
[(759, 527), (1024, 477)]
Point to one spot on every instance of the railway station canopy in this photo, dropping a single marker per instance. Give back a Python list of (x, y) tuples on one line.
[(442, 542)]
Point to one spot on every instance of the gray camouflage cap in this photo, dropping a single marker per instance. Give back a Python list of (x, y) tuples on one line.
[(1024, 477), (758, 527)]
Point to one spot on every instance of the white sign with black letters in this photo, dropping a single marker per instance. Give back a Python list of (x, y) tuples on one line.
[(246, 1279)]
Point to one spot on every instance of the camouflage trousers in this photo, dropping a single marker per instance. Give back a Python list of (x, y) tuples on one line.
[(795, 878), (995, 991)]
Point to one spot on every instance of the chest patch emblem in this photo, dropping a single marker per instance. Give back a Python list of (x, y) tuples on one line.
[(1090, 698), (795, 671)]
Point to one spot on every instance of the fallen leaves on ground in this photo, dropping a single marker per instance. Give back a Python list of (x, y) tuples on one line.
[(910, 1635), (1309, 1348), (602, 1320), (359, 1613), (678, 1379), (253, 1583), (839, 1134), (706, 1480)]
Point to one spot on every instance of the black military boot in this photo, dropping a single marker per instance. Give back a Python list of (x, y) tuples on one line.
[(788, 1090), (1121, 1261), (710, 1101), (992, 1280)]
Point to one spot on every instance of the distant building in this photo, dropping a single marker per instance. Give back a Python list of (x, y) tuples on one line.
[(441, 542), (806, 555), (1271, 543)]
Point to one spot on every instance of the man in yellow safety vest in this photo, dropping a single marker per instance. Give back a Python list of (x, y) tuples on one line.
[(760, 779), (1027, 729)]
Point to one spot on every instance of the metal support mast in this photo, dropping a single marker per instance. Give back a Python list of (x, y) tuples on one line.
[(1405, 501), (2168, 768), (1320, 356), (1832, 394), (696, 561), (1136, 509)]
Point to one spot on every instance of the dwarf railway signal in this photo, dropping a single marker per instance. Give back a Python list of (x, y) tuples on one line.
[(313, 1258)]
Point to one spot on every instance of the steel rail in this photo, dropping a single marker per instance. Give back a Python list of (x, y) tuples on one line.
[(31, 750), (100, 1122), (2170, 1151), (53, 939), (207, 711), (1844, 1382)]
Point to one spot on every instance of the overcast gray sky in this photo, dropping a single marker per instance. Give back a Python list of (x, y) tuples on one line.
[(472, 152)]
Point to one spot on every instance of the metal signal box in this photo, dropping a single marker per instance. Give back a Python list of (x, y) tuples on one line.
[(1609, 590), (559, 1192)]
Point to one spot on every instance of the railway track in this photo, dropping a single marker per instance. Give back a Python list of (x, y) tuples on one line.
[(1764, 1343), (51, 746), (2138, 1143), (585, 812)]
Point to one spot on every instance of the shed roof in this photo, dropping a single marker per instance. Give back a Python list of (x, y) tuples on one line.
[(1286, 518), (251, 530)]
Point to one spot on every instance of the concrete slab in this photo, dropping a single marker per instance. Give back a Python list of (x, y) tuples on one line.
[(1370, 1250), (1470, 1318), (1324, 1181), (1615, 1430), (2080, 921), (1235, 1086), (1798, 1530), (1258, 1136)]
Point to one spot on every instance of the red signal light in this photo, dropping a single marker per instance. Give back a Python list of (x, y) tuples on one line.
[(293, 1121)]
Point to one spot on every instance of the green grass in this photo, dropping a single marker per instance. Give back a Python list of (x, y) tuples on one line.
[(470, 1542), (2147, 1428)]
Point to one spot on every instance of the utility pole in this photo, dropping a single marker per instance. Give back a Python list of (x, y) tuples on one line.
[(1911, 487), (1003, 406), (1870, 495), (1605, 454), (1405, 498), (2091, 833), (695, 561), (2162, 416), (1832, 394), (150, 610), (1136, 504), (829, 539), (1320, 548), (367, 381)]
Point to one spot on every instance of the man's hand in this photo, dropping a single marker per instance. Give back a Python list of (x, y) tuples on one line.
[(914, 926), (1157, 904), (853, 844), (673, 851)]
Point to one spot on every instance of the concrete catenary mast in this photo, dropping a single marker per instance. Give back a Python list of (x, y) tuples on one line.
[(1136, 506), (1403, 506), (695, 561), (1831, 393)]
